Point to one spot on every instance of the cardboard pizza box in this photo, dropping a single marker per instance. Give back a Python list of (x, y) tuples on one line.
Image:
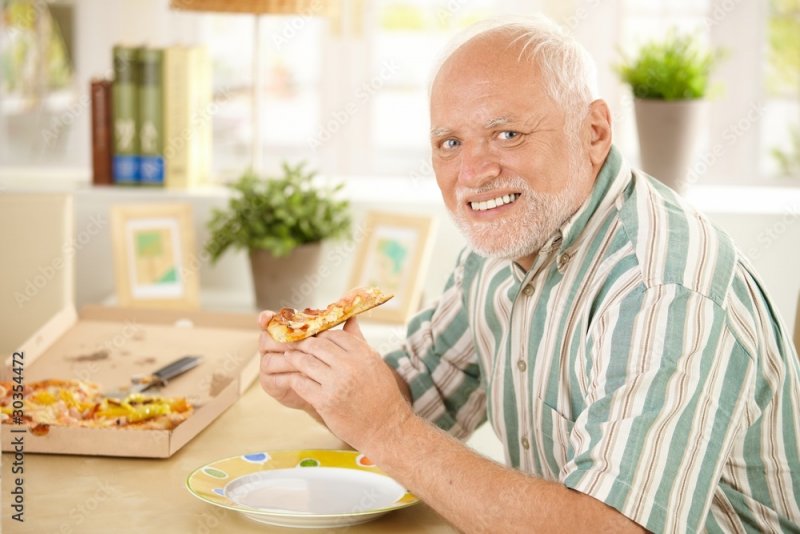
[(108, 346)]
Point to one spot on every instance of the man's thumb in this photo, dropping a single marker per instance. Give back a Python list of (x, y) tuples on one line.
[(351, 327), (265, 317)]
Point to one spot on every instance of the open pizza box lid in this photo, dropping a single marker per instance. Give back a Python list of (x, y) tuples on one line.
[(108, 346)]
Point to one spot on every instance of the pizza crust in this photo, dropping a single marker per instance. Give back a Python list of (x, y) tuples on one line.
[(290, 325)]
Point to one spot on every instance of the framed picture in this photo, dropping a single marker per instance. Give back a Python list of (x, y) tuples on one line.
[(153, 247), (394, 255)]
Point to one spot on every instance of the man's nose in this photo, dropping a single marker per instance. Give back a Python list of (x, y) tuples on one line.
[(478, 165)]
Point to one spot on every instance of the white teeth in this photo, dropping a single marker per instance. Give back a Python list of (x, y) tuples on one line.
[(494, 203)]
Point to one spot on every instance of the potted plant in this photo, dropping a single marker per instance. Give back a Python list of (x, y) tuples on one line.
[(282, 222), (670, 80)]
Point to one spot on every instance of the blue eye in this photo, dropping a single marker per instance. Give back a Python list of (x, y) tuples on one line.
[(449, 144), (508, 135)]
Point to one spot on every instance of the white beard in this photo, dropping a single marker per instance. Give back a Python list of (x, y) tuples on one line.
[(529, 226)]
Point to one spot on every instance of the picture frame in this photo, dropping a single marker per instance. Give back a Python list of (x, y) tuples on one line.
[(154, 259), (394, 255)]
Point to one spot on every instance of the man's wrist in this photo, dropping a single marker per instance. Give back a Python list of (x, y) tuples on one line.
[(395, 428)]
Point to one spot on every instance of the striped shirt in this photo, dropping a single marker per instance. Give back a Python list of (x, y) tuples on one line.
[(638, 361)]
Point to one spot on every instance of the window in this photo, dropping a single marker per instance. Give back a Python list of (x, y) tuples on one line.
[(291, 66), (406, 39), (36, 76), (349, 95), (781, 126)]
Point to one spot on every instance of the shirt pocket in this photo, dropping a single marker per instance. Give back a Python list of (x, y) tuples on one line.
[(553, 431)]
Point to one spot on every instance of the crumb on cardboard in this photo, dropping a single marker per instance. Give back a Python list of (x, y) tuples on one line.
[(90, 357)]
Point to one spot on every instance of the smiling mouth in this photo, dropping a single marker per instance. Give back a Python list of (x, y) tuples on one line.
[(493, 203)]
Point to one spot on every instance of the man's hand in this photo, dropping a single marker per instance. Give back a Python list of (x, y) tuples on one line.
[(276, 369), (348, 384)]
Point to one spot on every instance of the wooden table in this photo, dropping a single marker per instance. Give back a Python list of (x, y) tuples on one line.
[(77, 494)]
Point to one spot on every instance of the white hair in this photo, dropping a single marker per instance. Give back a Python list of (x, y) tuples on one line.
[(567, 69)]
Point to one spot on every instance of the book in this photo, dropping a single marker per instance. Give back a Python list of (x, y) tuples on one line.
[(151, 116), (102, 148), (188, 116), (125, 161)]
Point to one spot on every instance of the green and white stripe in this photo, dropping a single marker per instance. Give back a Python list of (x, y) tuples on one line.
[(644, 365)]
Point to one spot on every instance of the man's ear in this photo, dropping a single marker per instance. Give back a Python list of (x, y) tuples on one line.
[(599, 122)]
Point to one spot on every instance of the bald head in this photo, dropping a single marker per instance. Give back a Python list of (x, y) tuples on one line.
[(491, 54), (559, 63)]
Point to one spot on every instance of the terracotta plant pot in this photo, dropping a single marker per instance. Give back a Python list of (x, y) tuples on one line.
[(669, 137), (276, 279)]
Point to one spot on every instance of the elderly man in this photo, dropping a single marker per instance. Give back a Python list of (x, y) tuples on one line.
[(619, 344)]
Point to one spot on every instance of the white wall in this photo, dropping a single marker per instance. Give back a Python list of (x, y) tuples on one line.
[(228, 284), (764, 223)]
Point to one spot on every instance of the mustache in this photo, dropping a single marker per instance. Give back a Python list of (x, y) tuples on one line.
[(505, 182)]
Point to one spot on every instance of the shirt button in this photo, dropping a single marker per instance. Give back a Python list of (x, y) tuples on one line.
[(527, 290), (521, 365), (562, 261), (525, 443)]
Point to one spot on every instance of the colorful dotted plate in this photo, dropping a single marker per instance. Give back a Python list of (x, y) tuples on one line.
[(303, 488)]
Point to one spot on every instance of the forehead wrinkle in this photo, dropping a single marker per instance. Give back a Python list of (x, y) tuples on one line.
[(491, 123)]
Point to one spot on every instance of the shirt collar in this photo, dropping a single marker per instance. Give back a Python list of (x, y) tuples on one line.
[(612, 179)]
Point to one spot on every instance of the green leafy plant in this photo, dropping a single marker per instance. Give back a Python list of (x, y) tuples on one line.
[(278, 214), (675, 68), (789, 159)]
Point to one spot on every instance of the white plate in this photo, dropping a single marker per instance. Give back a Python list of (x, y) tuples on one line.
[(306, 488)]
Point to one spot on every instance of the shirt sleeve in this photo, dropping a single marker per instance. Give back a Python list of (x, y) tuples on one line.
[(439, 363), (668, 388)]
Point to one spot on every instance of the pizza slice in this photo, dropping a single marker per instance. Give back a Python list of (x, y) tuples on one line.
[(290, 325)]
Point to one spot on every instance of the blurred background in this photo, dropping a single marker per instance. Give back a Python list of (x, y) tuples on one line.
[(348, 93), (342, 85)]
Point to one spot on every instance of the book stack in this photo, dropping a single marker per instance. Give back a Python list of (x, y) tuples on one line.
[(151, 124)]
